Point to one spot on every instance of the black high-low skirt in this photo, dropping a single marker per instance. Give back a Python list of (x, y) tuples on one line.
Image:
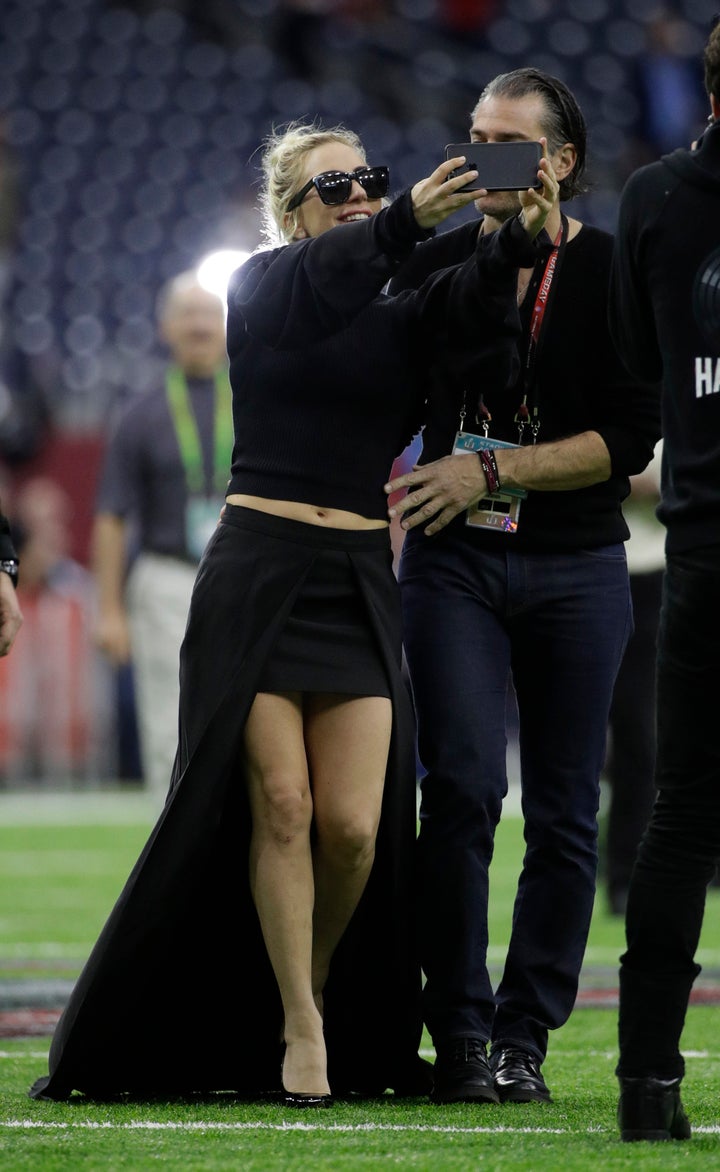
[(178, 996), (327, 644)]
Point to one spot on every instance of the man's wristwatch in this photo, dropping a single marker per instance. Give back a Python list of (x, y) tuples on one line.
[(10, 567)]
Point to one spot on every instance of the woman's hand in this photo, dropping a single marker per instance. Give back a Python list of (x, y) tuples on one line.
[(437, 197), (536, 204)]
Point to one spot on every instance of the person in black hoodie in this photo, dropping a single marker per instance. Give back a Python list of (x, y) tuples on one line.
[(543, 596), (10, 613), (665, 317)]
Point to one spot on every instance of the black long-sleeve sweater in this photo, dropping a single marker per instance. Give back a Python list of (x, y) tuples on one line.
[(665, 317), (582, 385), (328, 374)]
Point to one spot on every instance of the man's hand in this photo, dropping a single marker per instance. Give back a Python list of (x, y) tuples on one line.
[(536, 204), (10, 614), (438, 491), (452, 484), (112, 635)]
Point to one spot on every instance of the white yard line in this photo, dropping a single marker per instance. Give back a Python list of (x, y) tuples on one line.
[(199, 1125), (81, 807), (203, 1126)]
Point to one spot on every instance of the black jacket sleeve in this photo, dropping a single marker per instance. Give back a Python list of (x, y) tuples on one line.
[(467, 313), (7, 549), (464, 264), (302, 292), (630, 310), (478, 297)]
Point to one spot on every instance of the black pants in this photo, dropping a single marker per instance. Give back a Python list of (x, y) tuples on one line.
[(681, 847), (559, 623), (630, 769)]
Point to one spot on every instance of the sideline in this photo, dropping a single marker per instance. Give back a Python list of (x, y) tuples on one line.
[(201, 1126), (89, 807)]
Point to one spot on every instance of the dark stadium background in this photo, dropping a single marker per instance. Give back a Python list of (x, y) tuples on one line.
[(128, 152)]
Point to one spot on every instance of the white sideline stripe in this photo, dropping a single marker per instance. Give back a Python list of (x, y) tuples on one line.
[(199, 1126), (112, 805), (23, 1053)]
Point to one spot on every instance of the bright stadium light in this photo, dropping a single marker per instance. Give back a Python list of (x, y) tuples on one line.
[(215, 269)]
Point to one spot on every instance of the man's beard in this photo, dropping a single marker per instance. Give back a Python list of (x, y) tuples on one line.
[(499, 205)]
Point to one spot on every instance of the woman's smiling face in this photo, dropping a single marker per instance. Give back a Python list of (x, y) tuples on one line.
[(313, 216)]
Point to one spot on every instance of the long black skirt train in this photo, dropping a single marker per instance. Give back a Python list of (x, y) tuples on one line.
[(178, 996)]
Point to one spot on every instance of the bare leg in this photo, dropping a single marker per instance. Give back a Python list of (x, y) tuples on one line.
[(281, 876), (347, 740)]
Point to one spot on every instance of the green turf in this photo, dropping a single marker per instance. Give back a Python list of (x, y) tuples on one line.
[(576, 1131), (59, 879)]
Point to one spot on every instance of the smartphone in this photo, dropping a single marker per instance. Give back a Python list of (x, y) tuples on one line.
[(501, 166)]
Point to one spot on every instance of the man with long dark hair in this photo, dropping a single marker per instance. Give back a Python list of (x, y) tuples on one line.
[(514, 566)]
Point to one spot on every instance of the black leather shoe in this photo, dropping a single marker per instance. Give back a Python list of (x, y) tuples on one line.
[(461, 1073), (651, 1108), (517, 1076)]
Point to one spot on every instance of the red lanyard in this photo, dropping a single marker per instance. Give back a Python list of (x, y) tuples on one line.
[(522, 416)]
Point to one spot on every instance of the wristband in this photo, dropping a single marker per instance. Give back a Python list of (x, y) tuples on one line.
[(488, 463)]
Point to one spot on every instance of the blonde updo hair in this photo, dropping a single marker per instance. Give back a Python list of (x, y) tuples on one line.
[(283, 172)]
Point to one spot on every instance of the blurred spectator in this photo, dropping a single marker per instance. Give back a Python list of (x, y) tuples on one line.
[(631, 760), (24, 407), (42, 520), (55, 693), (166, 470), (9, 201), (297, 39), (299, 27), (467, 18), (212, 20), (670, 85)]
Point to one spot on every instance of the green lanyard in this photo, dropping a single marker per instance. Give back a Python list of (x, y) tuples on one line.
[(186, 430)]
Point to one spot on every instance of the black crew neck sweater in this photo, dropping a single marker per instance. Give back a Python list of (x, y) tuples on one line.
[(328, 372), (581, 385)]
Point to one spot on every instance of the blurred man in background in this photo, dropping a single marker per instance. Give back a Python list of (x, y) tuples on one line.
[(166, 470)]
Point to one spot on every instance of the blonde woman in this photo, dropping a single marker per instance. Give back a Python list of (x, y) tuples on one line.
[(278, 881)]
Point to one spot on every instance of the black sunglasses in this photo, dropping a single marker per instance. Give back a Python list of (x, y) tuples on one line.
[(334, 187)]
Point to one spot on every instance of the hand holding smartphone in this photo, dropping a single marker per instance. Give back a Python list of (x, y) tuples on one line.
[(500, 166)]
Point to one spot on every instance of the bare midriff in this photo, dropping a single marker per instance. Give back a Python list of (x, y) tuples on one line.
[(310, 514)]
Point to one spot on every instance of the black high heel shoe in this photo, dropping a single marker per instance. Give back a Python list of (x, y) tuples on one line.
[(296, 1099), (299, 1098)]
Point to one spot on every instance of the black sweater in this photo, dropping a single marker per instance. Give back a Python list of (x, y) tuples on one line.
[(328, 373), (581, 386), (665, 317)]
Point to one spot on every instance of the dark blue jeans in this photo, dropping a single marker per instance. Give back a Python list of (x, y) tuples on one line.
[(681, 846), (559, 623)]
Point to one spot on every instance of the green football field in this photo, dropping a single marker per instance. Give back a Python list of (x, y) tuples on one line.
[(63, 860)]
